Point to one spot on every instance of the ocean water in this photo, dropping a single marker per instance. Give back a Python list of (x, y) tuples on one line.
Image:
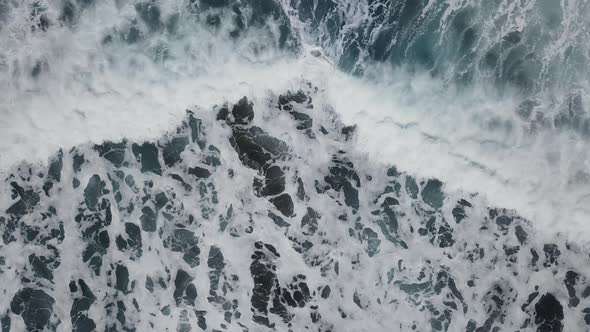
[(292, 165)]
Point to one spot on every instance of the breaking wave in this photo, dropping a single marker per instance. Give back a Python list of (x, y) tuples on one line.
[(395, 165)]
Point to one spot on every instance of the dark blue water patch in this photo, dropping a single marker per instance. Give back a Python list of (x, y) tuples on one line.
[(35, 307), (27, 202), (43, 266), (173, 149), (131, 242), (283, 203), (113, 152), (278, 220), (343, 178), (213, 3), (184, 290), (122, 278), (184, 241), (83, 300), (183, 322), (148, 219), (150, 14), (432, 194), (256, 148), (309, 222), (274, 182), (549, 313), (199, 172), (56, 166), (5, 322), (68, 13), (147, 154)]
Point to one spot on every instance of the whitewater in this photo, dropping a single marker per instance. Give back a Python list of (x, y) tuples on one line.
[(490, 98)]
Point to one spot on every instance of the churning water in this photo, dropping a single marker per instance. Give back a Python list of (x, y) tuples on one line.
[(396, 165)]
